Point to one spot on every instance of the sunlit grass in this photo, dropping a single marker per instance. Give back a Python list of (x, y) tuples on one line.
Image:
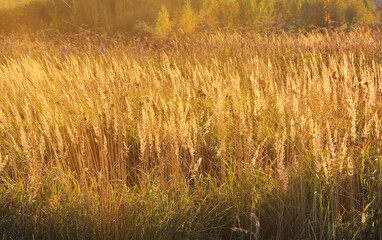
[(216, 136)]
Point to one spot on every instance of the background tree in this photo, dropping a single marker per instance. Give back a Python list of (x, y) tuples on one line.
[(188, 21), (163, 26), (208, 16)]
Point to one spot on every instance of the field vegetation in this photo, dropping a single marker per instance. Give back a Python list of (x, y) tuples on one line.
[(213, 136), (180, 119)]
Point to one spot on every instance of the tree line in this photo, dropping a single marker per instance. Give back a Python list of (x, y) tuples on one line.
[(162, 17)]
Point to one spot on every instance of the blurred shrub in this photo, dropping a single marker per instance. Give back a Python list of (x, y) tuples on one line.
[(142, 28)]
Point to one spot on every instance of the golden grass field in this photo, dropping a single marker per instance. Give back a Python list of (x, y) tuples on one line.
[(215, 136)]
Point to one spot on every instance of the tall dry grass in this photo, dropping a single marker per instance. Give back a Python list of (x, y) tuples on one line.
[(223, 135)]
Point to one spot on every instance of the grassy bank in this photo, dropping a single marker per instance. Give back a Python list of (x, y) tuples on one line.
[(217, 136)]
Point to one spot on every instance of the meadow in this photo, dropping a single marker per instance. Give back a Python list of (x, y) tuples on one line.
[(213, 136)]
